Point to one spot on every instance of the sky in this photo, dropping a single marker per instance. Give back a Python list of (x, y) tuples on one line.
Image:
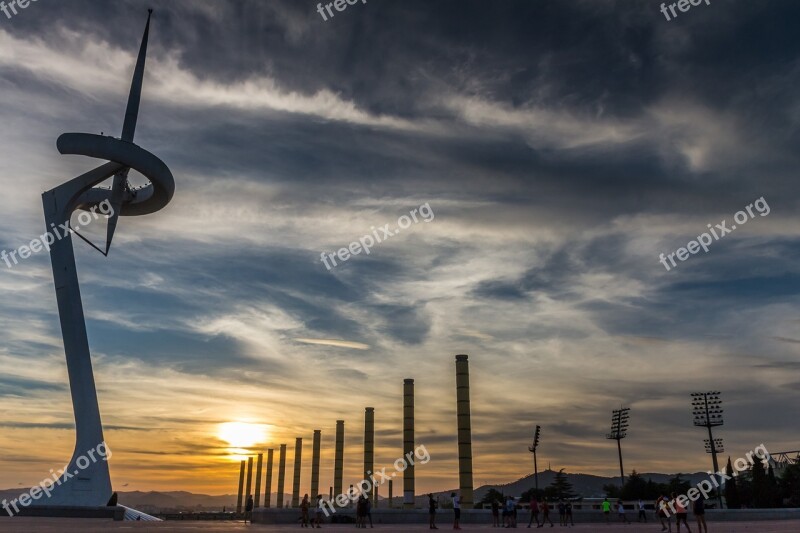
[(558, 148)]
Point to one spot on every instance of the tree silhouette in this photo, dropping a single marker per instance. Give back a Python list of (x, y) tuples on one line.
[(491, 495), (732, 497), (561, 488)]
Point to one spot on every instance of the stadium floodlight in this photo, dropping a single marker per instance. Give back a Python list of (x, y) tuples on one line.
[(532, 449), (619, 430)]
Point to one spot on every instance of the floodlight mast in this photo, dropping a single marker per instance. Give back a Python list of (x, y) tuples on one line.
[(707, 411), (532, 449), (619, 429)]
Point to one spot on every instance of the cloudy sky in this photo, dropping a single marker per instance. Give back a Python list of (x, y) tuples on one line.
[(561, 146)]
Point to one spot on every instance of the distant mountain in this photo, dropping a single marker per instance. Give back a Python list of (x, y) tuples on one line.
[(586, 485)]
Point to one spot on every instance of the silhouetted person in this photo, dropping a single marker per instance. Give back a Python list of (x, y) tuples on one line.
[(304, 510), (318, 515), (495, 513), (568, 507), (361, 511), (545, 513), (368, 511), (432, 511), (534, 512), (248, 509), (642, 513), (700, 515), (663, 513), (680, 515)]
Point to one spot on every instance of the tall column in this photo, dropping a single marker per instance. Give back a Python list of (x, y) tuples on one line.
[(408, 442), (249, 477), (258, 480), (315, 464), (390, 494), (464, 431), (268, 486), (241, 488), (281, 475), (298, 461), (369, 445), (338, 460)]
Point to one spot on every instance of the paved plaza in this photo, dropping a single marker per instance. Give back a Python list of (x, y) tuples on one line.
[(59, 525)]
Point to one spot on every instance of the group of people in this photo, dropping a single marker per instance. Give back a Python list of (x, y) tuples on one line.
[(665, 509), (433, 505)]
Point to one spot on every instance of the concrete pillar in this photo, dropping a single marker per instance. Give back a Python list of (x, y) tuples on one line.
[(338, 460), (369, 445), (249, 477), (315, 464), (390, 494), (281, 475), (330, 495), (268, 486), (464, 431), (241, 488), (258, 480), (408, 442), (298, 461)]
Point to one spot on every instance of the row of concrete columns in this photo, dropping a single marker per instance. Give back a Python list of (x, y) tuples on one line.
[(464, 454)]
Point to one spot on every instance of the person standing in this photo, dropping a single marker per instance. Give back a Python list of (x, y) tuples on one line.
[(511, 507), (456, 510), (700, 514), (621, 512), (432, 511), (663, 513), (248, 509), (562, 513), (318, 515), (495, 513), (642, 513), (534, 512), (606, 506), (304, 511), (368, 511), (361, 511), (568, 507), (546, 513), (680, 514)]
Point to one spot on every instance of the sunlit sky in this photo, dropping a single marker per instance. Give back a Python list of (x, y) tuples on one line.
[(562, 147)]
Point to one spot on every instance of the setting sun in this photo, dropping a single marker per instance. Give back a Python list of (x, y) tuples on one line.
[(242, 434)]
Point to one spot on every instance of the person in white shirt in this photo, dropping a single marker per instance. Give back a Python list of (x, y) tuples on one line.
[(456, 510), (642, 513)]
